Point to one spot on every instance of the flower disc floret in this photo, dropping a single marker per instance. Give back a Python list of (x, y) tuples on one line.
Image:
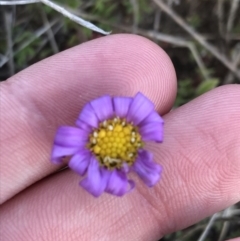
[(115, 142)]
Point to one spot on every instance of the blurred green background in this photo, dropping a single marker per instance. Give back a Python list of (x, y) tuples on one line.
[(202, 37)]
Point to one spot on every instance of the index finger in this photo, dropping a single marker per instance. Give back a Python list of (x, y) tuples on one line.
[(52, 92)]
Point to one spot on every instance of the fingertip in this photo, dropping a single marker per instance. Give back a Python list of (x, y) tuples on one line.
[(120, 64)]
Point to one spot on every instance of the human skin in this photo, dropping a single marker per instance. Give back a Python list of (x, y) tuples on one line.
[(200, 152)]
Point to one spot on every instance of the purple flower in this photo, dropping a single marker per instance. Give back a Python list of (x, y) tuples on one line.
[(108, 143)]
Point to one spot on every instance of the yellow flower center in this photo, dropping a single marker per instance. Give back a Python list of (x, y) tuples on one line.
[(115, 142)]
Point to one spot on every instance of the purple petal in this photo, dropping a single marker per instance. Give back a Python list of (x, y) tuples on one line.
[(152, 132), (59, 152), (139, 109), (88, 116), (96, 180), (70, 136), (103, 107), (153, 117), (147, 170), (121, 106), (84, 126), (131, 185), (117, 183), (80, 161)]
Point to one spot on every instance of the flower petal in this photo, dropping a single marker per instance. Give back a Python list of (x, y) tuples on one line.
[(131, 185), (70, 136), (88, 116), (117, 183), (84, 126), (68, 141), (59, 152), (153, 117), (147, 170), (80, 161), (96, 180), (103, 107), (121, 106), (152, 132), (139, 109)]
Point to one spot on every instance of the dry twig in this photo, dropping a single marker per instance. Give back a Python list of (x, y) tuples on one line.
[(155, 36), (226, 213), (232, 16), (157, 20), (220, 18), (191, 231), (49, 32), (198, 37), (179, 42), (74, 18), (208, 227), (8, 26), (236, 60), (135, 14), (62, 10), (36, 35), (171, 2), (45, 40), (19, 2)]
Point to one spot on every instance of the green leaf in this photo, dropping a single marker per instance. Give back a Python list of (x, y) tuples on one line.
[(186, 92), (206, 86), (74, 4), (195, 21)]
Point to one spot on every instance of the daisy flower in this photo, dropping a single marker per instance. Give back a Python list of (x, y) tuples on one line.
[(108, 143)]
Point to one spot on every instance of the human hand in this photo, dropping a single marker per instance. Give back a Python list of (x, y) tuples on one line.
[(200, 152)]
